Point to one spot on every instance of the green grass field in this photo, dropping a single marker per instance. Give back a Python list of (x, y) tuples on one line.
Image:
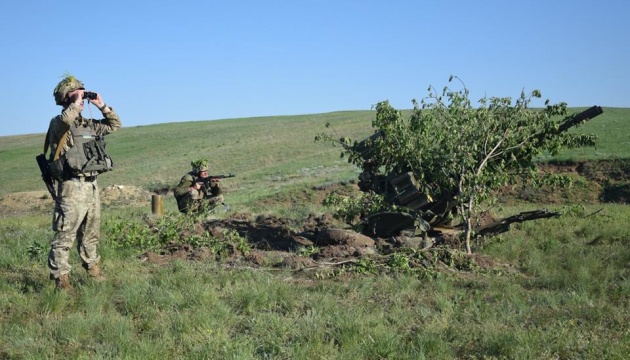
[(557, 288)]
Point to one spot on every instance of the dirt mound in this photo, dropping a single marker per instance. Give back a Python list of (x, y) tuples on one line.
[(275, 242), (41, 202), (125, 195), (592, 182), (272, 242), (25, 202)]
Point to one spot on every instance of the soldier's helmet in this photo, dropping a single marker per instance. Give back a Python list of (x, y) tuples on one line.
[(200, 165), (68, 84)]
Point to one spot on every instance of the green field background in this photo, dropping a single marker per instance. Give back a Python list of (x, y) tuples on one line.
[(263, 152)]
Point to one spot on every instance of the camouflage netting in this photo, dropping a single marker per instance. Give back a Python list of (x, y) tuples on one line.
[(200, 165), (68, 84)]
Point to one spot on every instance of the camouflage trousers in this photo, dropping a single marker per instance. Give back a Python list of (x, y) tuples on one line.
[(77, 217), (189, 204)]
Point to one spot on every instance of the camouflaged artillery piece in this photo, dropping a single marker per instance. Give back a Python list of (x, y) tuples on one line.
[(424, 214)]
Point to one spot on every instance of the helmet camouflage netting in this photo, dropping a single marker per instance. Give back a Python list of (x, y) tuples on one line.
[(68, 84), (200, 165)]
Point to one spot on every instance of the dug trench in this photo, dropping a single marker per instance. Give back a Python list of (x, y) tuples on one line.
[(320, 242)]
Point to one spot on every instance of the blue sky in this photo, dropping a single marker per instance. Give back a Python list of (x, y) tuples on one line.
[(167, 61)]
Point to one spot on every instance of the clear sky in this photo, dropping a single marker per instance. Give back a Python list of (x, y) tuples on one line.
[(169, 61)]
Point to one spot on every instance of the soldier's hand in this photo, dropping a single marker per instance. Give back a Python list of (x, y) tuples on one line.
[(98, 101)]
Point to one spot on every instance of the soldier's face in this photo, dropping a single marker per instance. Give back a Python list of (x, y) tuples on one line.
[(203, 174), (73, 95)]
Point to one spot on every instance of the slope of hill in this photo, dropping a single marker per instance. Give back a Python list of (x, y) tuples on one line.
[(264, 152)]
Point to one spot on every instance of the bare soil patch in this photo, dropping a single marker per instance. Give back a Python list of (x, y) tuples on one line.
[(605, 181), (26, 202)]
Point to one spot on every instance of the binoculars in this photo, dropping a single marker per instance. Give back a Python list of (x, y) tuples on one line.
[(89, 95)]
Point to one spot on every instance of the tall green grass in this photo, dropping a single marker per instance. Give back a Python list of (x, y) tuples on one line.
[(559, 288)]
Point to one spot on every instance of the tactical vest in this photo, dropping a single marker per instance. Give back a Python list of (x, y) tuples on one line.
[(87, 155)]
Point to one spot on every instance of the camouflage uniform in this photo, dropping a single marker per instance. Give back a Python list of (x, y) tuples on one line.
[(77, 209), (191, 200)]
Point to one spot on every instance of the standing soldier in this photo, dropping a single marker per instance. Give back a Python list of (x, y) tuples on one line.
[(77, 158)]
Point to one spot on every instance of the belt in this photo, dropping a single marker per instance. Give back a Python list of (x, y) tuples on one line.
[(83, 178)]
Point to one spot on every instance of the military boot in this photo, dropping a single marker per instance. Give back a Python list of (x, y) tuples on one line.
[(63, 284), (96, 274)]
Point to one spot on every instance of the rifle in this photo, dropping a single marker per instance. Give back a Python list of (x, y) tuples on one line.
[(230, 175), (44, 164), (206, 182), (46, 176)]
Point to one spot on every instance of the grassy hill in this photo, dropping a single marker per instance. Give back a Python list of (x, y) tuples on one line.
[(259, 150), (264, 152), (555, 288)]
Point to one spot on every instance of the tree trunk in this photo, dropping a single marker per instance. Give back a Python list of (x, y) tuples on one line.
[(468, 235), (469, 227)]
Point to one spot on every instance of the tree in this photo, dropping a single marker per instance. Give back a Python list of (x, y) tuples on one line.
[(462, 152)]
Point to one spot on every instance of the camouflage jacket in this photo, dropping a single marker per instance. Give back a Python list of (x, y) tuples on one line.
[(187, 181), (60, 124)]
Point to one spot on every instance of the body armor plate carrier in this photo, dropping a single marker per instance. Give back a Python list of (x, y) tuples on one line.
[(87, 155)]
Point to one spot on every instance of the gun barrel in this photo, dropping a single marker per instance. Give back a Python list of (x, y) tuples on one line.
[(571, 121), (585, 115), (221, 176)]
